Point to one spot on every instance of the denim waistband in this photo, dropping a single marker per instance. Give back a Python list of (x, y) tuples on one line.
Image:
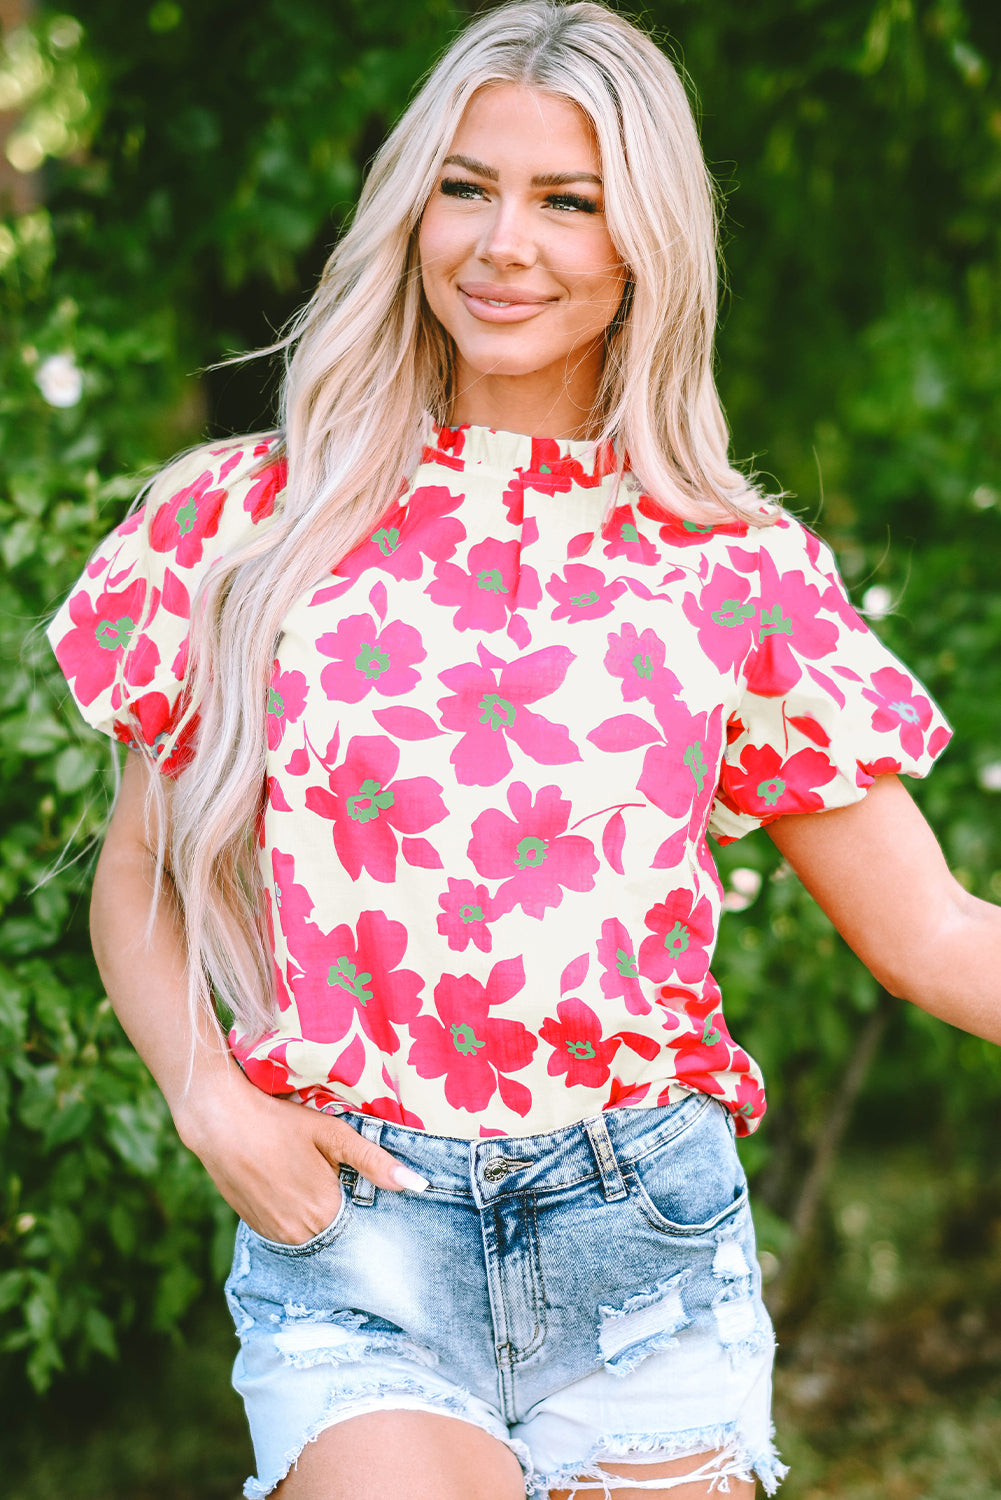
[(492, 1167)]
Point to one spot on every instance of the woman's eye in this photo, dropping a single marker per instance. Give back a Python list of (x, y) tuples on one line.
[(457, 187), (573, 201)]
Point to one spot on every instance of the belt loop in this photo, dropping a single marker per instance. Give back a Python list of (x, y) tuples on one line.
[(612, 1183), (370, 1129)]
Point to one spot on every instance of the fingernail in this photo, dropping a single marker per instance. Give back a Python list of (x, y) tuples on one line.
[(408, 1179)]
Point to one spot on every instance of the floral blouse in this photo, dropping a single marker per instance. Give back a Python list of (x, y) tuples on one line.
[(498, 735)]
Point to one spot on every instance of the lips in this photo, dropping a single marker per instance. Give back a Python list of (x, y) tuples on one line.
[(500, 304), (482, 291)]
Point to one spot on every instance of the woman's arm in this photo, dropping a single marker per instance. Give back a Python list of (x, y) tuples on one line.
[(276, 1164), (877, 871)]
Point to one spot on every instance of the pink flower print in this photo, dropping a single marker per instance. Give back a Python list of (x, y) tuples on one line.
[(624, 539), (465, 913), (620, 968), (766, 786), (531, 852), (583, 593), (678, 532), (446, 448), (679, 775), (386, 1108), (367, 657), (368, 808), (405, 536), (899, 708), (287, 693), (337, 976), (157, 718), (724, 615), (187, 520), (581, 1052), (638, 659), (489, 705), (270, 1073), (474, 1050), (704, 1049), (787, 629), (749, 1104), (490, 588), (553, 473), (101, 636), (682, 933), (259, 501)]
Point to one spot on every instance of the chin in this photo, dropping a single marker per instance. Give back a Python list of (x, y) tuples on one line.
[(512, 362)]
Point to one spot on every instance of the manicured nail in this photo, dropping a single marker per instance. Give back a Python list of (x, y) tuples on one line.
[(405, 1178)]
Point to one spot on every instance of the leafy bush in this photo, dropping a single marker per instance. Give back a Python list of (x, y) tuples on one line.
[(199, 159)]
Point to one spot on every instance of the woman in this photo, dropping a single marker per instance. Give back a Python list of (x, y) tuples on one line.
[(491, 635)]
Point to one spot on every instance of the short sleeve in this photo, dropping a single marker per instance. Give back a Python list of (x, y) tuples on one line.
[(121, 637), (826, 707)]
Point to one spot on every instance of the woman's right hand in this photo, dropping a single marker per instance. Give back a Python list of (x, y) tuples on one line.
[(276, 1163)]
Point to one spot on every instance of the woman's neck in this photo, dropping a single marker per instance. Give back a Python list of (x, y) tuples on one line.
[(544, 403)]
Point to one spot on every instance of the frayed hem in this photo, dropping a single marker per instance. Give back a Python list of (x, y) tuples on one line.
[(730, 1458), (407, 1395)]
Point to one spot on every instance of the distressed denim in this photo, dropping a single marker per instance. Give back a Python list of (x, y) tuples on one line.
[(587, 1295)]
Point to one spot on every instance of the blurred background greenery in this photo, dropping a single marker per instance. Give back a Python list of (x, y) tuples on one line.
[(174, 177)]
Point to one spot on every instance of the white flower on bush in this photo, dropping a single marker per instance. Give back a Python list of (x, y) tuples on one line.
[(877, 602), (60, 380), (744, 887), (990, 776)]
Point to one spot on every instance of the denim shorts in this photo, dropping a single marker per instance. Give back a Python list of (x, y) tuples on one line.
[(590, 1294)]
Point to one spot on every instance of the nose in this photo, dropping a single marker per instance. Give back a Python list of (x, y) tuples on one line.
[(507, 239)]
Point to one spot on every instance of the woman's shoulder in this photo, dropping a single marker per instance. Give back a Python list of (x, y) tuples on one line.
[(212, 498)]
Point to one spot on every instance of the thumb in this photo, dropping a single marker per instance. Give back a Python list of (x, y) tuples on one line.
[(340, 1143)]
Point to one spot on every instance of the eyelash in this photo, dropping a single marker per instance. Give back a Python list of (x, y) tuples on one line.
[(459, 187)]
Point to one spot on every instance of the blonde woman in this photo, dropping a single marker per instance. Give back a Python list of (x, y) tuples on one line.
[(436, 694)]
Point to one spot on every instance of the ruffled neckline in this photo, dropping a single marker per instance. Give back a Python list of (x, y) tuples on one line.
[(492, 448)]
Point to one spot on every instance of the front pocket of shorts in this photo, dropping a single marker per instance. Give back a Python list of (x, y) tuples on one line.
[(694, 1181), (319, 1241)]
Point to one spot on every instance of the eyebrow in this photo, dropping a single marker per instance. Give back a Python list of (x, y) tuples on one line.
[(542, 179)]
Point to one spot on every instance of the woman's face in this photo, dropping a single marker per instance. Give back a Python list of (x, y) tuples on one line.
[(516, 259)]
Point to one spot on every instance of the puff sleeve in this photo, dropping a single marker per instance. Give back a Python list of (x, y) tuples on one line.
[(121, 637), (826, 707)]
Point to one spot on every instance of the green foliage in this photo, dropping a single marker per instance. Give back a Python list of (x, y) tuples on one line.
[(200, 160)]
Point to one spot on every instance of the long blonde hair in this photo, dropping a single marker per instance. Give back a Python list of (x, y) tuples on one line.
[(366, 361)]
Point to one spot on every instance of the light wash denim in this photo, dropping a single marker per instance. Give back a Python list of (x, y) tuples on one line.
[(586, 1295)]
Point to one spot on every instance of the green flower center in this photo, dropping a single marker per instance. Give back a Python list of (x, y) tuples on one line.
[(774, 622), (678, 940), (731, 612), (186, 517), (491, 580), (626, 964), (369, 801), (464, 1040), (696, 763), (529, 852), (344, 975), (498, 712), (387, 539), (371, 661), (770, 791), (110, 634), (582, 1051)]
